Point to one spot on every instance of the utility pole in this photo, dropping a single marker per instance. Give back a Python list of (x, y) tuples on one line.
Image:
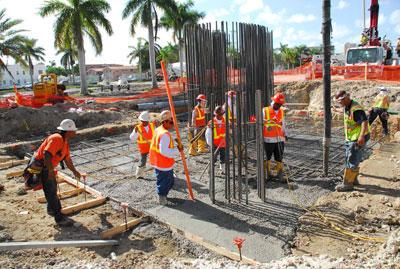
[(363, 7), (326, 41)]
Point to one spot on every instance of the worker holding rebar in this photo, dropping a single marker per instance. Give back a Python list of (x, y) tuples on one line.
[(51, 152), (162, 156), (143, 133), (274, 133), (380, 108), (356, 129), (219, 135), (198, 142)]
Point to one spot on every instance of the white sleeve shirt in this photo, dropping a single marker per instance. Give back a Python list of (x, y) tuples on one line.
[(134, 135), (164, 148)]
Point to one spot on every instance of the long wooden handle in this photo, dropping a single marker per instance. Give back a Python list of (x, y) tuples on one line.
[(178, 136)]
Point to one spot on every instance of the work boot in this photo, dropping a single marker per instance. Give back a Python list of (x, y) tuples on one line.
[(193, 149), (356, 170), (202, 146), (162, 200), (222, 168), (279, 170), (139, 172), (267, 169), (64, 221), (348, 181)]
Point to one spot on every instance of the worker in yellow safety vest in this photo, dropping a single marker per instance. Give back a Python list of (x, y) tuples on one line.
[(198, 124), (219, 132), (162, 156), (275, 134), (356, 129), (380, 108), (142, 134)]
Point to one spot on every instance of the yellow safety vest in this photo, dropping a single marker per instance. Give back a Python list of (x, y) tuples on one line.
[(352, 130), (382, 101)]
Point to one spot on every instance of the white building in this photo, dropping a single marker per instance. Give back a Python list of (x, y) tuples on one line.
[(20, 74)]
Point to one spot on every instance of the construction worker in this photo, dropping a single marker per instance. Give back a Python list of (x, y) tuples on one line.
[(219, 135), (398, 47), (199, 125), (142, 134), (356, 131), (380, 108), (162, 154), (51, 152), (274, 133)]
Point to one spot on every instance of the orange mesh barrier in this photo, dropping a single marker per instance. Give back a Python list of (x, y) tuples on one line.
[(31, 101)]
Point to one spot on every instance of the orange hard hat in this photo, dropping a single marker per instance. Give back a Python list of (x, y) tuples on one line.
[(231, 93), (201, 97), (279, 98)]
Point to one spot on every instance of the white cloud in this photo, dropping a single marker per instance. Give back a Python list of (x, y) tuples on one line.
[(395, 20), (215, 15), (342, 4), (301, 18), (340, 31), (248, 6), (268, 17)]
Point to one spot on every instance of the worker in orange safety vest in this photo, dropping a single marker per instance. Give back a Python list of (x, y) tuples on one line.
[(162, 156), (275, 134), (219, 132), (142, 134), (198, 124)]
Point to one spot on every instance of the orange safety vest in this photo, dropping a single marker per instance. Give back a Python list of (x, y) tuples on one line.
[(157, 160), (200, 120), (219, 133), (273, 125), (145, 137)]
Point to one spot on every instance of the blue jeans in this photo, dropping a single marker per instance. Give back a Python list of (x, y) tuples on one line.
[(353, 155), (165, 181)]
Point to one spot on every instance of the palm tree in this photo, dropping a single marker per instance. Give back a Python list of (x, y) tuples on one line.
[(68, 59), (79, 18), (11, 42), (141, 51), (30, 52), (169, 53), (143, 12), (176, 19)]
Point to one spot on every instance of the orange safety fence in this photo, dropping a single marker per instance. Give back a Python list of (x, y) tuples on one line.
[(30, 101)]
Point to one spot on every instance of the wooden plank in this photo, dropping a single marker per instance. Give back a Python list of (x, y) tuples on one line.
[(84, 205), (56, 244), (62, 195), (6, 158), (120, 228), (13, 163), (79, 184), (15, 174)]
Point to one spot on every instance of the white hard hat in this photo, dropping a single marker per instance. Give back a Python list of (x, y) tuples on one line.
[(383, 89), (144, 116), (165, 115), (67, 125)]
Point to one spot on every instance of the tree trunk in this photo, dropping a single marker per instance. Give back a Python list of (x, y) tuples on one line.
[(140, 69), (152, 56), (181, 56), (31, 75), (326, 40), (82, 70)]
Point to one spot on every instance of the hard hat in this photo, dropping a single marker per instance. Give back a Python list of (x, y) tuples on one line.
[(340, 95), (231, 93), (383, 89), (201, 97), (67, 125), (279, 98), (144, 116), (219, 110), (165, 115)]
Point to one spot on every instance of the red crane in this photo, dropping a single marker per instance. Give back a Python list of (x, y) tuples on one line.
[(373, 28)]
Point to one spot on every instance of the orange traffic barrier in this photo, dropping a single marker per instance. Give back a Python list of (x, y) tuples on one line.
[(178, 136)]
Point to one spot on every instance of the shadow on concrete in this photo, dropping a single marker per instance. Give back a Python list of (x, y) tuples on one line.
[(376, 190)]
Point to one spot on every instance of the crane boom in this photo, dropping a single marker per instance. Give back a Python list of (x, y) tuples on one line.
[(373, 28)]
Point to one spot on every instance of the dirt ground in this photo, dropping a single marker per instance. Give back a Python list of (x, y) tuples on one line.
[(150, 245)]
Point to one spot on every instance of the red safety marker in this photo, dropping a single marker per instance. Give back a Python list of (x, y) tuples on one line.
[(238, 241)]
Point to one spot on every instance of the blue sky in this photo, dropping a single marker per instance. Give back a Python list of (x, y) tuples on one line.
[(294, 22)]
